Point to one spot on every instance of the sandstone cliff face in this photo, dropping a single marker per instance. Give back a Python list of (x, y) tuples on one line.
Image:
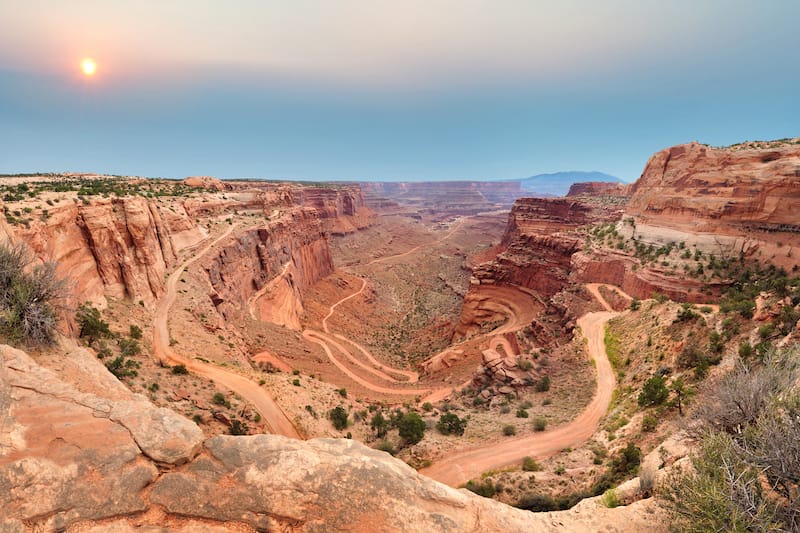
[(599, 188), (78, 456), (537, 246), (537, 250), (291, 251), (116, 247), (723, 200), (343, 209)]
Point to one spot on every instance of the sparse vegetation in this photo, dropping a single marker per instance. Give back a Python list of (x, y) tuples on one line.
[(411, 427), (451, 424), (654, 391), (744, 475), (29, 297), (338, 417), (530, 465)]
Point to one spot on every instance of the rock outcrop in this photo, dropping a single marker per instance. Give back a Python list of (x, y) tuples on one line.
[(107, 460), (343, 209), (270, 266), (537, 246), (723, 200), (119, 247), (599, 188), (204, 182)]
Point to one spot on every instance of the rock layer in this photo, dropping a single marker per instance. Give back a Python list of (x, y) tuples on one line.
[(724, 200), (292, 250)]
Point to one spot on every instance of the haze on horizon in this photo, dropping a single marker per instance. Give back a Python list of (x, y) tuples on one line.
[(371, 89)]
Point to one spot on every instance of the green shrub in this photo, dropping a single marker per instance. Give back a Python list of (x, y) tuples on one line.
[(136, 332), (92, 327), (529, 465), (485, 488), (610, 499), (29, 297), (238, 427), (129, 347), (654, 391), (538, 503), (649, 423), (123, 368), (180, 370), (539, 423), (427, 406), (509, 430), (522, 413), (379, 425), (386, 446), (543, 385), (338, 417), (342, 392), (451, 424), (219, 399), (411, 427)]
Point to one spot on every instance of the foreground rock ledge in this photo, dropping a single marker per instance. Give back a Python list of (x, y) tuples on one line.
[(108, 460)]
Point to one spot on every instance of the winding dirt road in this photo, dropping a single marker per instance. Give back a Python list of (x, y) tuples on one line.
[(272, 415), (460, 467), (331, 345)]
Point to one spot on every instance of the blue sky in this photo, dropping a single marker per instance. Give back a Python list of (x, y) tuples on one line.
[(372, 89)]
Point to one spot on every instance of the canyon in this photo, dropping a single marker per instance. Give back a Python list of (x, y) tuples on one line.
[(289, 300)]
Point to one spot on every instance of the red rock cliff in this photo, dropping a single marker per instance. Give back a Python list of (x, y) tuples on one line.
[(116, 247), (265, 269), (739, 199)]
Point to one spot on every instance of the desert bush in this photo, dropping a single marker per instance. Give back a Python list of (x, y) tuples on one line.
[(219, 399), (529, 465), (411, 427), (379, 424), (451, 424), (135, 332), (654, 391), (238, 427), (509, 430), (180, 370), (539, 423), (29, 297), (129, 347), (543, 385), (92, 327), (386, 446), (338, 417), (485, 488), (744, 475), (649, 423), (610, 499), (122, 367)]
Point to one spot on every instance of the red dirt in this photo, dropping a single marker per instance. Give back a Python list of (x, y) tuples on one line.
[(271, 413), (462, 466)]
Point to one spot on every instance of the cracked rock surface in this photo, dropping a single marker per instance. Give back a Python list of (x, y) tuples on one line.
[(108, 460)]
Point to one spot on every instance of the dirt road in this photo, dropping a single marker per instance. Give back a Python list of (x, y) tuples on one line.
[(271, 413), (458, 468), (331, 345)]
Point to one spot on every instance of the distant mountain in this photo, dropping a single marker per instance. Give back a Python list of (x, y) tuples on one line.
[(558, 183)]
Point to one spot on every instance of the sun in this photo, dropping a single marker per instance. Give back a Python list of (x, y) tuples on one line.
[(88, 66)]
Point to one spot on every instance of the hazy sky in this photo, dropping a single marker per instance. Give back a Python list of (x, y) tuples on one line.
[(371, 89)]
